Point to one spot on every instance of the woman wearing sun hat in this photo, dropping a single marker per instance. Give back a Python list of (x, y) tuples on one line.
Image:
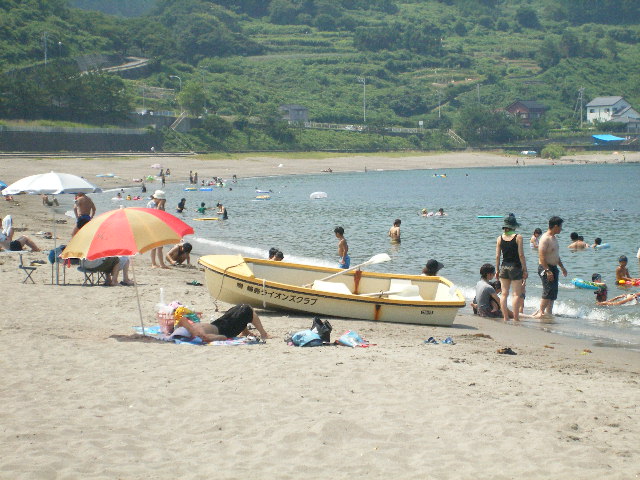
[(158, 201), (513, 268)]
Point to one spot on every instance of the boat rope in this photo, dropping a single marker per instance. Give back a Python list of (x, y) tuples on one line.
[(224, 274)]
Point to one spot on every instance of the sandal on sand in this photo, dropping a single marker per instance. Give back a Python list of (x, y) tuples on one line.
[(195, 283), (507, 351), (431, 340), (449, 341), (125, 284)]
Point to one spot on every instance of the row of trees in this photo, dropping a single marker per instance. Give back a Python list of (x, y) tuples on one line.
[(60, 92)]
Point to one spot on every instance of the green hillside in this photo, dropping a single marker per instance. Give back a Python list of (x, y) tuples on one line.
[(447, 64)]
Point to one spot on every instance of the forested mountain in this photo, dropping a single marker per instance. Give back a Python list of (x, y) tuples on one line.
[(130, 8), (393, 62)]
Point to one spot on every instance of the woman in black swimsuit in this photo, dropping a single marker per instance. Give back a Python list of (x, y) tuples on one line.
[(513, 267)]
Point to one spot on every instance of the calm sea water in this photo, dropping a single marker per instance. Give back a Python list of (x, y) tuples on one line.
[(594, 200)]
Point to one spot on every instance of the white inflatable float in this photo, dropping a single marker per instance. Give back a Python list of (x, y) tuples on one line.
[(316, 195)]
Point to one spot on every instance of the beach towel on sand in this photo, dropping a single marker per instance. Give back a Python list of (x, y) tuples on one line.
[(181, 336)]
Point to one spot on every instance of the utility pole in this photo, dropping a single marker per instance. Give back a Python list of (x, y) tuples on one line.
[(44, 36), (363, 81), (581, 92)]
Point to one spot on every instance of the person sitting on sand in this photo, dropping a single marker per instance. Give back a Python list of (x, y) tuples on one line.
[(279, 256), (179, 254), (486, 293), (8, 243), (47, 202), (272, 252), (232, 324)]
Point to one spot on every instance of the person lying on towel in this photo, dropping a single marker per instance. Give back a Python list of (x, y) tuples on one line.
[(232, 324)]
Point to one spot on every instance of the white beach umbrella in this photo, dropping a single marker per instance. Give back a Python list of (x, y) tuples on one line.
[(51, 183)]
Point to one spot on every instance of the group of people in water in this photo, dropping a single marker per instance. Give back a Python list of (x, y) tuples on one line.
[(511, 268), (439, 213)]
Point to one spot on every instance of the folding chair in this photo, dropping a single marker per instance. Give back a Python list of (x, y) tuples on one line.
[(28, 270), (95, 275)]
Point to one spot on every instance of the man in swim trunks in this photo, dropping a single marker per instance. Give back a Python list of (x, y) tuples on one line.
[(84, 209), (394, 232), (343, 248), (232, 324), (549, 261)]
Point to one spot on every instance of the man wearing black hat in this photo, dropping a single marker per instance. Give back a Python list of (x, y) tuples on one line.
[(549, 261), (432, 267)]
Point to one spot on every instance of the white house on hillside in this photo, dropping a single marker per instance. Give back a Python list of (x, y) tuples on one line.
[(610, 109)]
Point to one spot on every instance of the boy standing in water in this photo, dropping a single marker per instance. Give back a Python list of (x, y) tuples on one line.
[(622, 272), (343, 248), (394, 232)]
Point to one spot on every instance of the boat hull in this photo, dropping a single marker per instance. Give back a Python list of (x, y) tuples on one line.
[(236, 280)]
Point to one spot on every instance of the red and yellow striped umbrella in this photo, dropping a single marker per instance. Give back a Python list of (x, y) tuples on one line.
[(126, 231)]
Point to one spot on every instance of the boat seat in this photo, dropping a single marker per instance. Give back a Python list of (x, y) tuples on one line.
[(331, 287), (396, 284), (404, 289)]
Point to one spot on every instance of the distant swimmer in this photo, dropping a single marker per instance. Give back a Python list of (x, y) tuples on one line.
[(576, 242), (394, 232), (534, 240), (426, 213), (222, 210), (440, 213)]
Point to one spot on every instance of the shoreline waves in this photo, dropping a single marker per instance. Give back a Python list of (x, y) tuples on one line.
[(85, 397)]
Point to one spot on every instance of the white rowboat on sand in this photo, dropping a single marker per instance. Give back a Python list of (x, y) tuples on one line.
[(383, 297)]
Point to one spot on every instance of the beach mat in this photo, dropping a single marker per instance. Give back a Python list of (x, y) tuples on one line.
[(154, 331)]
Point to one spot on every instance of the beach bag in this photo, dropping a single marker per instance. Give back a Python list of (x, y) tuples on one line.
[(306, 338), (352, 339), (323, 329)]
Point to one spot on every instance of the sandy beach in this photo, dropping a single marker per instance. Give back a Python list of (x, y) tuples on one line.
[(84, 397)]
